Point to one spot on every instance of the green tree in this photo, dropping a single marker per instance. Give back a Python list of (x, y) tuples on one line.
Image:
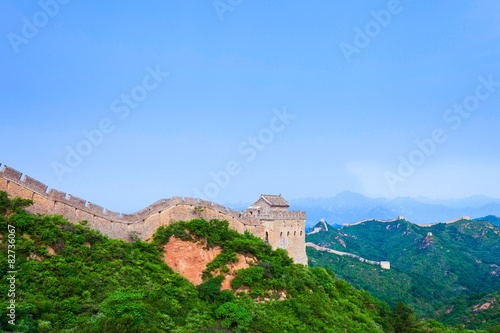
[(403, 319)]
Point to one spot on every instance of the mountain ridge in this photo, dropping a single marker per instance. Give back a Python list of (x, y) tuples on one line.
[(350, 207), (455, 259)]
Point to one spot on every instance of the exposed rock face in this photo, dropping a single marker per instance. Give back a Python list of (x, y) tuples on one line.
[(190, 259)]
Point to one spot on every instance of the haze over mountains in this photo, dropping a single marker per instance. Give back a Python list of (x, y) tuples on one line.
[(350, 207)]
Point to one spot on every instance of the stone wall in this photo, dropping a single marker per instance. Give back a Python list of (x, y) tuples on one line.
[(285, 229), (383, 264)]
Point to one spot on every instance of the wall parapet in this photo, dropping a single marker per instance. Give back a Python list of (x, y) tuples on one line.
[(278, 215), (373, 220), (383, 264), (35, 186), (146, 221)]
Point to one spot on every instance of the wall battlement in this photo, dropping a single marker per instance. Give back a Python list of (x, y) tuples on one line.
[(163, 212), (373, 220), (278, 215), (12, 175), (383, 264)]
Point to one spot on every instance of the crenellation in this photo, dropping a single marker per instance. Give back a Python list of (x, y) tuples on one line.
[(175, 201), (95, 208), (204, 203), (129, 217), (142, 214), (158, 206), (112, 214), (11, 173), (16, 189), (34, 185), (76, 202), (57, 195), (272, 221), (219, 208), (191, 201), (233, 213)]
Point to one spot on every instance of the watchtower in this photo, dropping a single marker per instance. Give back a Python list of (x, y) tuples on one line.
[(280, 227)]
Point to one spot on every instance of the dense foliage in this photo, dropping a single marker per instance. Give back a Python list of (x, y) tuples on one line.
[(475, 311), (73, 279), (429, 265), (391, 286)]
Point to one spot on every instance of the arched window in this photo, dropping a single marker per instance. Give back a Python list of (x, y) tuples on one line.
[(301, 233), (288, 234), (295, 233), (281, 234), (267, 237)]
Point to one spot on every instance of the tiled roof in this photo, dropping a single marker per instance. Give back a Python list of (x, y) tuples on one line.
[(275, 200)]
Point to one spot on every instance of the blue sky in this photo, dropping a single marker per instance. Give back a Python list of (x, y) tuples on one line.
[(260, 97)]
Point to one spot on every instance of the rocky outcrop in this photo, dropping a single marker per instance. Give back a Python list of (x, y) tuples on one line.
[(191, 259)]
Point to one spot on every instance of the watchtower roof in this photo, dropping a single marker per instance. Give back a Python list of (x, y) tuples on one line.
[(274, 200)]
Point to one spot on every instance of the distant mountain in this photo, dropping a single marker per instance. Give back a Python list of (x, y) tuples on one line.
[(495, 220), (475, 201), (349, 207), (429, 265)]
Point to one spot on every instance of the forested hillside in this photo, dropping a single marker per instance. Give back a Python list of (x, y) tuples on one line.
[(474, 311), (429, 265), (73, 279)]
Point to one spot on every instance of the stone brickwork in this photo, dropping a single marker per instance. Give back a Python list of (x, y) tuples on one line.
[(281, 229)]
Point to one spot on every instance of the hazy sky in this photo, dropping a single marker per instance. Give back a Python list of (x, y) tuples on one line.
[(124, 103)]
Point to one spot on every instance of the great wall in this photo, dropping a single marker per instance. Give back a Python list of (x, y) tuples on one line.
[(373, 220), (400, 218), (268, 218), (383, 264)]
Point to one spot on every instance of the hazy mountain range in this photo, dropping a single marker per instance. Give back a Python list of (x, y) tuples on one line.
[(349, 207)]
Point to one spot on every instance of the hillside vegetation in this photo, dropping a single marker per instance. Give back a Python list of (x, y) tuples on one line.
[(429, 265), (476, 311), (73, 279)]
